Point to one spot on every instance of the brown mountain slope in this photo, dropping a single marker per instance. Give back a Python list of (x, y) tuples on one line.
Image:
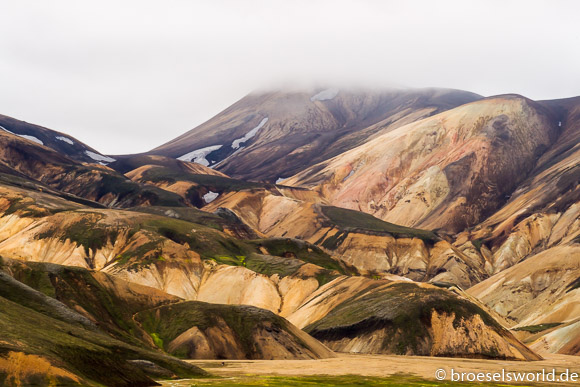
[(449, 171), (196, 185), (540, 295), (544, 210), (130, 164), (57, 141), (553, 184), (41, 166), (191, 181), (265, 136), (197, 330)]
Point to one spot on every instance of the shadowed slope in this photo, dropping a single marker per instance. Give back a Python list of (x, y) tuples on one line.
[(44, 342)]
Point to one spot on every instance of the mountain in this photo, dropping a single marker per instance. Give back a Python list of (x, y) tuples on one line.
[(26, 162), (135, 164), (57, 141), (448, 171), (270, 135), (543, 210), (497, 186), (534, 245), (411, 222)]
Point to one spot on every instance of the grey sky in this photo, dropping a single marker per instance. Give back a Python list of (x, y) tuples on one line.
[(126, 76)]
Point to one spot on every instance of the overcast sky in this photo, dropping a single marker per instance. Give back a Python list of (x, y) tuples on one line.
[(126, 76)]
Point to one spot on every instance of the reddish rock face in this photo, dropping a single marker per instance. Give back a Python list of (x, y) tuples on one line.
[(448, 171)]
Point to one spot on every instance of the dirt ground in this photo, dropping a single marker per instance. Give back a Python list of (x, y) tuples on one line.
[(380, 366)]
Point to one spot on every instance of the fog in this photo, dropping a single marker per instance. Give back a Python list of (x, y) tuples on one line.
[(127, 76)]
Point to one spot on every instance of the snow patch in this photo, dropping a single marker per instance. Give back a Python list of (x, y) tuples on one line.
[(171, 213), (349, 175), (250, 134), (31, 138), (198, 155), (65, 139), (210, 197), (99, 157), (325, 95), (280, 179)]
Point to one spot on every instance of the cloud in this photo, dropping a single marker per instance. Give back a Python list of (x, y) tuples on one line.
[(128, 76)]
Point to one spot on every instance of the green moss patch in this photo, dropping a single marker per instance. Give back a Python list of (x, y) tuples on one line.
[(187, 214), (269, 265), (477, 243), (537, 328), (295, 248), (356, 221)]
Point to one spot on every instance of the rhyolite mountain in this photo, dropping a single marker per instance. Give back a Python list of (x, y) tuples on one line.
[(269, 135), (448, 171), (498, 182), (414, 222)]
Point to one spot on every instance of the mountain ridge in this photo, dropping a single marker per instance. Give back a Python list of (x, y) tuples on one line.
[(297, 120)]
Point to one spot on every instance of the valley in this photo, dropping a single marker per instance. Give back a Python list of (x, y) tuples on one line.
[(371, 370)]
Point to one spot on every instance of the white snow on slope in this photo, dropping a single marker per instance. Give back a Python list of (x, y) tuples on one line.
[(98, 157), (67, 140), (250, 134), (280, 179), (198, 155), (210, 197), (325, 95), (31, 138)]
